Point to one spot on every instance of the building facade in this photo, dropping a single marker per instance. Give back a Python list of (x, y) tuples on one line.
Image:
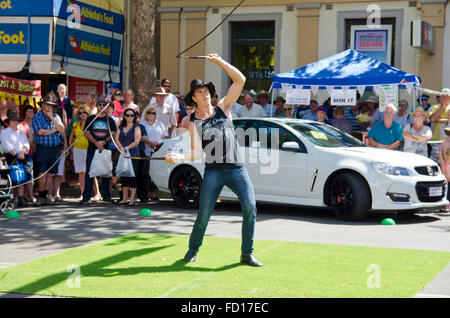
[(263, 39)]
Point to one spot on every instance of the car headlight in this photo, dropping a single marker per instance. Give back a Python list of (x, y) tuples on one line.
[(387, 169)]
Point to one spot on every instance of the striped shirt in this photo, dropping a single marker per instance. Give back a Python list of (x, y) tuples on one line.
[(40, 121), (352, 118)]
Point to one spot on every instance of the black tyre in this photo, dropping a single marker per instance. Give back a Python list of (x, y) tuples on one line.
[(185, 187), (349, 197)]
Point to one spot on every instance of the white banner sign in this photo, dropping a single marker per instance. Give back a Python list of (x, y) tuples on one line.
[(341, 97), (298, 96), (388, 95)]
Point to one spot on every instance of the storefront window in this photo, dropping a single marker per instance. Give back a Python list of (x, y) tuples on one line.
[(253, 52)]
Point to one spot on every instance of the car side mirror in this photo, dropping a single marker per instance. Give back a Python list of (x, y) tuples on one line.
[(290, 146)]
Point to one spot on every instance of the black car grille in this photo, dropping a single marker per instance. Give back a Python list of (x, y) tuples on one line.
[(423, 190), (427, 170)]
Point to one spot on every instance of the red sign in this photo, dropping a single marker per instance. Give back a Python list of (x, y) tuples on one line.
[(81, 88), (20, 87)]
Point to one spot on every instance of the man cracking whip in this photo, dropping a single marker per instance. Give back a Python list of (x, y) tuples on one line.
[(211, 130)]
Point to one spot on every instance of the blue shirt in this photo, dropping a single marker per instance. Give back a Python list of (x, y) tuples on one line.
[(310, 116), (40, 121), (384, 135)]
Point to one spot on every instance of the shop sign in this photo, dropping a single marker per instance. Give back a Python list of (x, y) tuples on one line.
[(18, 90), (81, 88), (14, 38), (76, 11), (375, 43), (20, 87), (67, 10), (88, 44), (26, 7)]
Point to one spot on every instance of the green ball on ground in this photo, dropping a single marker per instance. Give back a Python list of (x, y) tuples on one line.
[(388, 221), (145, 212)]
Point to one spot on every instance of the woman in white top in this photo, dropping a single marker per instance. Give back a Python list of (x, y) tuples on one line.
[(155, 131), (16, 146), (403, 117), (417, 134)]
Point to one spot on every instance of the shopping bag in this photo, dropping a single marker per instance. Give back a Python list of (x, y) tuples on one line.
[(18, 173), (124, 166), (101, 165)]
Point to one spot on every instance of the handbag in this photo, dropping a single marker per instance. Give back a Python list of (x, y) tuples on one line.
[(124, 166), (18, 173), (101, 165)]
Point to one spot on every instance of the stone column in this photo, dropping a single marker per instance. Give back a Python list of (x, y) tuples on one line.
[(433, 12), (170, 45), (308, 32), (195, 18)]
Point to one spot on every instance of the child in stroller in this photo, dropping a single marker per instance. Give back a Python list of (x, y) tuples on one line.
[(6, 197)]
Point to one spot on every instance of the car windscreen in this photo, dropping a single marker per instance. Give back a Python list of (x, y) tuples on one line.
[(325, 135)]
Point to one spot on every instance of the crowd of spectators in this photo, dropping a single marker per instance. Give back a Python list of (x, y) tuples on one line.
[(38, 139)]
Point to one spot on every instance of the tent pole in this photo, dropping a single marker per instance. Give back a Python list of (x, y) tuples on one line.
[(271, 104)]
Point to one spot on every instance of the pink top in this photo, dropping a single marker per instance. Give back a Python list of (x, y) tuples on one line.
[(446, 169), (119, 109)]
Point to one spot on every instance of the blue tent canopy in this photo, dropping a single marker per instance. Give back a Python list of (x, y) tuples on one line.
[(349, 69)]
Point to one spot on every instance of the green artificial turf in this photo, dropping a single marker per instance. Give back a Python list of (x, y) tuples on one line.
[(150, 265)]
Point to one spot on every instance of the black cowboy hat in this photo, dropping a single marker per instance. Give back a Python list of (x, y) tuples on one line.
[(196, 83), (49, 99), (13, 116)]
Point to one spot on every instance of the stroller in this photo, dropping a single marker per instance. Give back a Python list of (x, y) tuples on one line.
[(6, 197)]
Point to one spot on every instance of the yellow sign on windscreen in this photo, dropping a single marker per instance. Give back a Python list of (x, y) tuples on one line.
[(319, 135)]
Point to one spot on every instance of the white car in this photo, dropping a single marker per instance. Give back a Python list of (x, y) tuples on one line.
[(312, 164)]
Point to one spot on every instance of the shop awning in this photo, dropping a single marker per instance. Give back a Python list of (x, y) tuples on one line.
[(50, 35)]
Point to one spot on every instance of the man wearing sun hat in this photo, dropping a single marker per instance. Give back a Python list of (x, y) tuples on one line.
[(48, 130), (164, 112), (417, 134)]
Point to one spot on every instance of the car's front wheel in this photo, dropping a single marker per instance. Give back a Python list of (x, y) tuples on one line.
[(349, 197), (185, 187)]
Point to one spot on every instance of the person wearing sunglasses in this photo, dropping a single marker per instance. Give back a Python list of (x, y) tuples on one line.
[(287, 108), (128, 137), (170, 99), (99, 138), (417, 134), (155, 132), (183, 126), (78, 152)]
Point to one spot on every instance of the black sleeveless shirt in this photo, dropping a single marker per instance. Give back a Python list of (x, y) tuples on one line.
[(219, 142)]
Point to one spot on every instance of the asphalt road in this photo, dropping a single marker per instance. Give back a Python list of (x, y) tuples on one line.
[(48, 230)]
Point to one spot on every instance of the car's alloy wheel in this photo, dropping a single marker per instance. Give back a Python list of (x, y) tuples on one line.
[(185, 187), (349, 197)]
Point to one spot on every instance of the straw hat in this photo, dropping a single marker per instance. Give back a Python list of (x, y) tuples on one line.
[(160, 91), (445, 91), (420, 110)]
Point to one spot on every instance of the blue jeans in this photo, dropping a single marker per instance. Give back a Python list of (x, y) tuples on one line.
[(89, 183), (238, 181)]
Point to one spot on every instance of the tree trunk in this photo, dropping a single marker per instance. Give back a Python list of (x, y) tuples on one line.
[(143, 50)]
